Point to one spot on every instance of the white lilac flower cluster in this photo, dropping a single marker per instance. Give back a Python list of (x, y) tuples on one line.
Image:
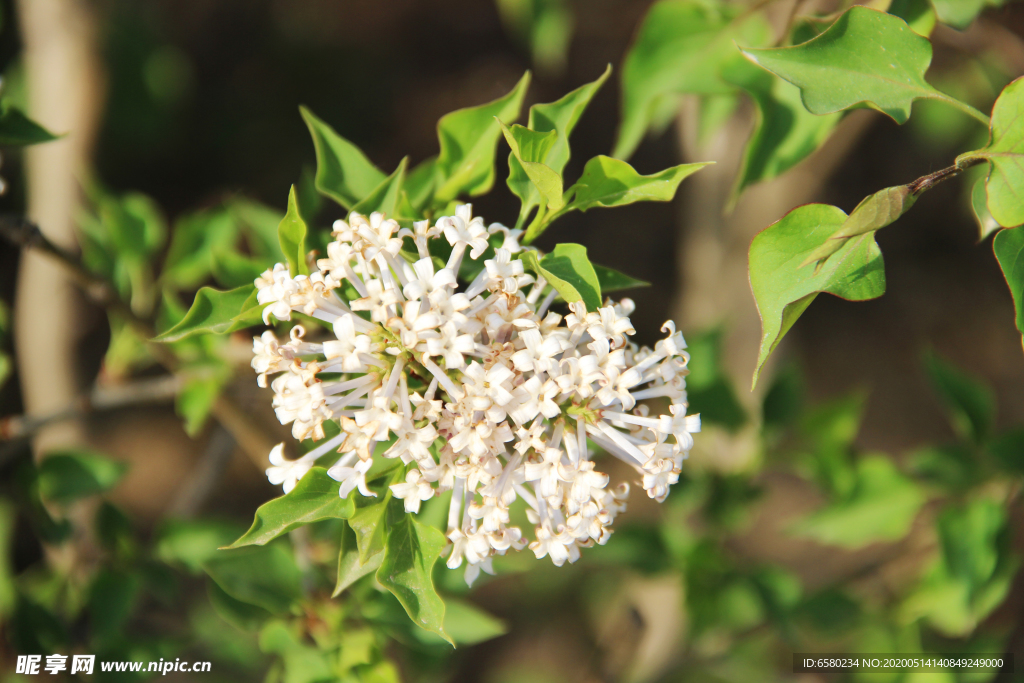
[(509, 393)]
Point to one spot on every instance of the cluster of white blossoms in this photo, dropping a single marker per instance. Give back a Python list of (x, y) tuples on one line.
[(483, 392)]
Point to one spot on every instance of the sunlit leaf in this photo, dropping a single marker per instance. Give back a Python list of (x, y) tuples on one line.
[(1005, 151), (343, 173), (291, 233), (866, 57), (350, 567), (570, 272), (193, 542), (314, 498), (213, 311), (385, 196), (783, 289), (784, 134), (469, 143), (409, 556), (529, 178), (611, 182), (194, 240)]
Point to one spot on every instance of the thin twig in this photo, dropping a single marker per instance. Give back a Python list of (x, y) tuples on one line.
[(253, 439), (152, 390)]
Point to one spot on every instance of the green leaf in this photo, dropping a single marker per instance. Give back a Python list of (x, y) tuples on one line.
[(193, 542), (553, 123), (194, 241), (919, 14), (385, 196), (350, 567), (881, 507), (239, 614), (18, 130), (368, 524), (681, 48), (570, 272), (979, 206), (783, 289), (958, 13), (529, 148), (419, 183), (265, 576), (469, 142), (66, 476), (302, 663), (785, 133), (466, 623), (198, 395), (409, 557), (709, 390), (873, 213), (292, 234), (343, 173), (8, 589), (112, 599), (314, 498), (971, 403), (611, 280), (232, 269), (611, 182), (259, 223), (866, 57), (213, 311), (561, 116), (1008, 246), (1005, 152)]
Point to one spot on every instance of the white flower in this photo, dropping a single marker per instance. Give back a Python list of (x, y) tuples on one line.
[(413, 491), (352, 478), (480, 389), (286, 472)]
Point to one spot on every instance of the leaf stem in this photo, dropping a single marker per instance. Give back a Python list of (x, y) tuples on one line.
[(964, 107)]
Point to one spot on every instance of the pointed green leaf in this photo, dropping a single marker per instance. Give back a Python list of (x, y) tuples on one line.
[(570, 272), (194, 240), (66, 476), (259, 224), (872, 214), (783, 289), (18, 130), (1008, 246), (265, 576), (420, 181), (681, 48), (469, 142), (1005, 151), (213, 311), (350, 567), (866, 57), (343, 173), (525, 170), (193, 542), (611, 182), (232, 269), (368, 524), (385, 197), (561, 116), (959, 13), (412, 549), (611, 280), (314, 498), (971, 402), (291, 232), (881, 507), (467, 624), (785, 133)]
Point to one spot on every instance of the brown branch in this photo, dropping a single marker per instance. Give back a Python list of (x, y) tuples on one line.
[(254, 440)]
